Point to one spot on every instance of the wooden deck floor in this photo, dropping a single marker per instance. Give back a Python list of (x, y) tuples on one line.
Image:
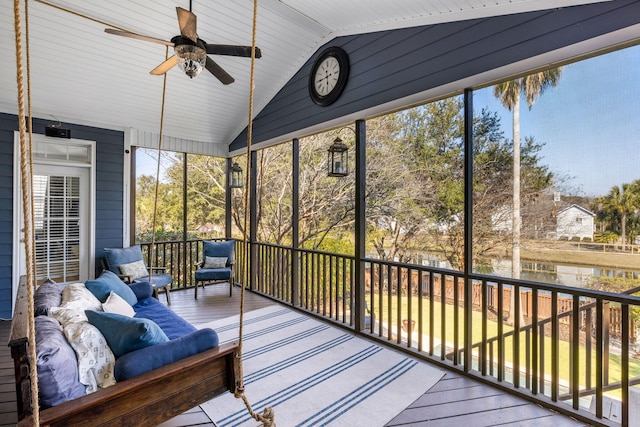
[(454, 401)]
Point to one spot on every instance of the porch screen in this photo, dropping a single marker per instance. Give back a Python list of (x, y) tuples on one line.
[(56, 207)]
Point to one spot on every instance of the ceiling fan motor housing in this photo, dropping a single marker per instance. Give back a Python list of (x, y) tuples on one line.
[(192, 57)]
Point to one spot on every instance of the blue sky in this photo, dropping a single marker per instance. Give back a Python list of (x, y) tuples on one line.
[(589, 123)]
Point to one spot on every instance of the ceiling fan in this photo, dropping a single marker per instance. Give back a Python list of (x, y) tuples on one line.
[(190, 51)]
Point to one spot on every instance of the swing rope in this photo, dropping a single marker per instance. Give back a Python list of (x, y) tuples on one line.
[(155, 199), (267, 417), (26, 168)]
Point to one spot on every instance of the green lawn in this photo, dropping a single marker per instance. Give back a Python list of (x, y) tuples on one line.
[(564, 352)]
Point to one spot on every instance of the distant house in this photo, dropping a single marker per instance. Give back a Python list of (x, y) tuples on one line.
[(575, 221), (209, 228)]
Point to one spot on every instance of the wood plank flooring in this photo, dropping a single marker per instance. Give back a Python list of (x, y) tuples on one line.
[(454, 401)]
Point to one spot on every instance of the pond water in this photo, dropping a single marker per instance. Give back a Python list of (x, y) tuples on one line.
[(566, 275)]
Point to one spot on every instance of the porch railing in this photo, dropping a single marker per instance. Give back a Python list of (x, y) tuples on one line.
[(571, 348)]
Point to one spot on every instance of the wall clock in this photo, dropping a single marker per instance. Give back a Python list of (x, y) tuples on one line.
[(329, 76)]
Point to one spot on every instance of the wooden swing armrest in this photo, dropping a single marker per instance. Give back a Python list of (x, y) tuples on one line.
[(152, 397), (126, 278), (198, 264), (162, 269)]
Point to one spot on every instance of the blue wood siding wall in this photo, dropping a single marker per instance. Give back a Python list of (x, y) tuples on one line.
[(390, 65), (109, 192)]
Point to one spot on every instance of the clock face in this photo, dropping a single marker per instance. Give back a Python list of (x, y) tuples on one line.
[(329, 75)]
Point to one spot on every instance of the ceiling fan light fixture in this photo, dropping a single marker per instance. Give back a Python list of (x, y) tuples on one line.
[(191, 59)]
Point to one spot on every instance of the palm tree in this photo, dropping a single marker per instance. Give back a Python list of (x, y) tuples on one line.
[(622, 201), (509, 93)]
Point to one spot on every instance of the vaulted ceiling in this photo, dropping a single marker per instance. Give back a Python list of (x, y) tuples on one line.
[(80, 74)]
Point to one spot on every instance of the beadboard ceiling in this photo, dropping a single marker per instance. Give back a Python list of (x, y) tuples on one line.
[(80, 74)]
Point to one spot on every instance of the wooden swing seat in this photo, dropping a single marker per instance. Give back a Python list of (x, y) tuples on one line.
[(144, 400)]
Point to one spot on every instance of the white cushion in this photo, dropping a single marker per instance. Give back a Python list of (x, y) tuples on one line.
[(76, 296), (116, 304), (135, 269), (215, 262)]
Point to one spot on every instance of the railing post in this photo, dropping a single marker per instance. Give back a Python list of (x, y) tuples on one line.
[(360, 225), (295, 233), (253, 228), (468, 228)]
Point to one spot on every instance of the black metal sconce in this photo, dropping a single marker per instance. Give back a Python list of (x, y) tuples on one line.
[(338, 160), (236, 176)]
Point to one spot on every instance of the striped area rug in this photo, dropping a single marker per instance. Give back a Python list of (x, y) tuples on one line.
[(313, 374)]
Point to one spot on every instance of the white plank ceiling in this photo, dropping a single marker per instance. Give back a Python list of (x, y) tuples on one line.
[(80, 74)]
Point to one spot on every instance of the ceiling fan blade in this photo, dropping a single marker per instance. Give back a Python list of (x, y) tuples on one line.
[(217, 71), (165, 66), (136, 36), (187, 22), (232, 50)]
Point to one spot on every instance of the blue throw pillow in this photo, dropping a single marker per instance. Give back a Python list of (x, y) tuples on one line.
[(46, 296), (57, 364), (125, 334), (107, 282)]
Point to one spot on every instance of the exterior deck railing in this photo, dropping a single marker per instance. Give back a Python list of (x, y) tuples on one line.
[(571, 348)]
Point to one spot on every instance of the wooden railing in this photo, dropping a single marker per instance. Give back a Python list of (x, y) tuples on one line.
[(555, 344), (546, 342)]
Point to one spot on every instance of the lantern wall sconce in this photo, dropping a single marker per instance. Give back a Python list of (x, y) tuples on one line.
[(236, 176), (338, 157)]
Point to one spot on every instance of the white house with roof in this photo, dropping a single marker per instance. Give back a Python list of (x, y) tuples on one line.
[(575, 221)]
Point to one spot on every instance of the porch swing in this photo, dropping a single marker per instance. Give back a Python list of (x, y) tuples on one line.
[(146, 399)]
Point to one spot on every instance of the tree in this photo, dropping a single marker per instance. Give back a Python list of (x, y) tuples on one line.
[(621, 202), (531, 86), (509, 93)]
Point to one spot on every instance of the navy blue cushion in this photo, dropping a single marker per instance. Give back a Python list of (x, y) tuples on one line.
[(219, 249), (144, 360), (107, 282), (125, 334), (46, 296), (173, 325), (57, 364), (142, 289), (117, 256), (213, 274)]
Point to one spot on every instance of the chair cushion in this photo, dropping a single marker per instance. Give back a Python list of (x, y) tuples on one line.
[(135, 269), (57, 366), (107, 282), (219, 250), (213, 274), (118, 256), (214, 262), (159, 280), (125, 334), (47, 295)]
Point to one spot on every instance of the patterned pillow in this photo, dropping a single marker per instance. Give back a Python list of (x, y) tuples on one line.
[(134, 269), (76, 296), (95, 359), (215, 262)]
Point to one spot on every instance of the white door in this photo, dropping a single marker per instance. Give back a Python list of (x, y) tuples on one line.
[(62, 210)]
